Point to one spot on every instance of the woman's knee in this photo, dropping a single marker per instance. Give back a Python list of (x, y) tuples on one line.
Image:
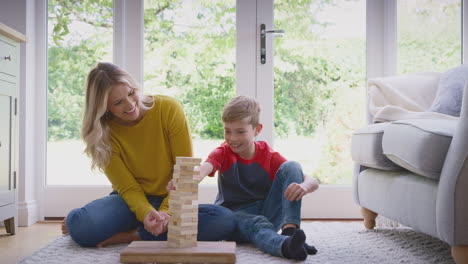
[(80, 227), (225, 218)]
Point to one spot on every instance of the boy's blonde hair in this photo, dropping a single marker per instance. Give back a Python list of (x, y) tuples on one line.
[(241, 107)]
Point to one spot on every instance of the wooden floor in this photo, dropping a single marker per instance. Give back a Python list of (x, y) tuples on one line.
[(27, 240)]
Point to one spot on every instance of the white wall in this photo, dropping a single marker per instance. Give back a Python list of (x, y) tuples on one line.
[(20, 15)]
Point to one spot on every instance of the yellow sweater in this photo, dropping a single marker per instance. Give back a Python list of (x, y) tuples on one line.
[(143, 155)]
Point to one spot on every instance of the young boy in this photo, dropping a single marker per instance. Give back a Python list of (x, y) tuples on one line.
[(262, 189)]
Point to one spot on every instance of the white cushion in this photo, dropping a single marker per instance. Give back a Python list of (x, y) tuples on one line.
[(419, 145)]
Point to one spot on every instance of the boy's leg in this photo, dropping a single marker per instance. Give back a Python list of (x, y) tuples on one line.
[(277, 208), (215, 223), (99, 220), (261, 232)]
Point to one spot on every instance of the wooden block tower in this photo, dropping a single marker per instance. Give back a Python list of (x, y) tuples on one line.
[(181, 245), (183, 204)]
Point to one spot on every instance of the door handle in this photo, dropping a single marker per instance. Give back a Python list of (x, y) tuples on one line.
[(263, 33)]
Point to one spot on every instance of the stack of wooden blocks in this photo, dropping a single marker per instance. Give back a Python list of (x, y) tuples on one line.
[(183, 204), (181, 245)]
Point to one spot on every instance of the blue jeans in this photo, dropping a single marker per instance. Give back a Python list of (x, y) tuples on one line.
[(259, 222), (102, 218)]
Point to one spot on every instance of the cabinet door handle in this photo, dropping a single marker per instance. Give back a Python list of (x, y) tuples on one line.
[(7, 57), (0, 143)]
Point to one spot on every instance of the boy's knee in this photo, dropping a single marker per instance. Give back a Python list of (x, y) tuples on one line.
[(291, 165), (291, 168)]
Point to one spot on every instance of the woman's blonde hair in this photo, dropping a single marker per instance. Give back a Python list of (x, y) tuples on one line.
[(95, 128), (241, 107)]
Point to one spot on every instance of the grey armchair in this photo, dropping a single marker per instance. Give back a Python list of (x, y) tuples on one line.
[(415, 171)]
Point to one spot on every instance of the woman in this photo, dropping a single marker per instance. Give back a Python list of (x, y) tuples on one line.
[(134, 139)]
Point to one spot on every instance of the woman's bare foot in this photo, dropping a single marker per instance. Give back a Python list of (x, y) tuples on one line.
[(120, 238), (64, 226)]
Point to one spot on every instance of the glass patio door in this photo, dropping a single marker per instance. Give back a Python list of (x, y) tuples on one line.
[(313, 77), (187, 51)]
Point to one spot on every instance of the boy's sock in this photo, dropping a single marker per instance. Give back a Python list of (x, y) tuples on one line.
[(293, 246), (311, 250)]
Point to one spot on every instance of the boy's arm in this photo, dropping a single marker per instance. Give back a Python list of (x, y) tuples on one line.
[(296, 191), (205, 169)]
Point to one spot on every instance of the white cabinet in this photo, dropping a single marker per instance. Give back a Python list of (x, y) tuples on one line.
[(9, 131)]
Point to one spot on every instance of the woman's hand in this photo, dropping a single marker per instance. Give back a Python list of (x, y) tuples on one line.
[(170, 186), (295, 192), (156, 222)]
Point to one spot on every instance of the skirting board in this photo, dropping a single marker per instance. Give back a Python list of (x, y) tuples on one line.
[(159, 252), (27, 213)]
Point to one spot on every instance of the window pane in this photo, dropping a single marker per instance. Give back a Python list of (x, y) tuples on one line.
[(320, 84), (79, 35), (190, 55), (429, 35)]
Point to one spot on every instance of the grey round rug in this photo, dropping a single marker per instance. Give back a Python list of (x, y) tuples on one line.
[(337, 242)]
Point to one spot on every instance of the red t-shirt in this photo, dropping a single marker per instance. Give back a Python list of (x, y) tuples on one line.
[(242, 181)]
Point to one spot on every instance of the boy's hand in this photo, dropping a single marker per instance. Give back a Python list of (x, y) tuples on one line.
[(156, 222), (295, 192)]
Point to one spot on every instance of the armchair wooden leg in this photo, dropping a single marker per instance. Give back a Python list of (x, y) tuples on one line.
[(369, 218), (460, 254), (10, 225)]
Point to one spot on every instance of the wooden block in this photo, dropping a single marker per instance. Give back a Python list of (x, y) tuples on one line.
[(185, 175), (190, 185), (177, 205), (187, 159), (187, 219), (158, 251), (177, 194), (184, 229), (183, 223), (185, 170), (185, 181), (178, 231), (182, 201), (185, 213), (174, 237), (183, 244), (193, 188)]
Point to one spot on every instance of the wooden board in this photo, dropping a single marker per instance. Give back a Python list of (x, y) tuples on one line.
[(158, 251)]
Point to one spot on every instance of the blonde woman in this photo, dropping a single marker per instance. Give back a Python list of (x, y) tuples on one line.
[(134, 139)]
